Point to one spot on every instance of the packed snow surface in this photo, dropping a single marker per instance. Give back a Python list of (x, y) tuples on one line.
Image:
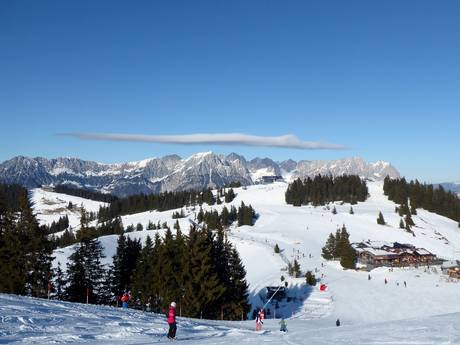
[(34, 321), (421, 312)]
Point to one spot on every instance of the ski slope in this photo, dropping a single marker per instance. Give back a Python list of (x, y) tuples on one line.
[(301, 232), (49, 206), (33, 321)]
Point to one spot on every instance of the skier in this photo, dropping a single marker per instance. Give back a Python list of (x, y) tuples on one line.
[(125, 299), (172, 321), (386, 281), (259, 320), (405, 284), (337, 323), (283, 326), (368, 277)]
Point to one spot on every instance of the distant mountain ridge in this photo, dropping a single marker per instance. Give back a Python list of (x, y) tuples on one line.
[(172, 173), (452, 186)]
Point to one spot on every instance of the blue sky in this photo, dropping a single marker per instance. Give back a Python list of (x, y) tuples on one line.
[(380, 77)]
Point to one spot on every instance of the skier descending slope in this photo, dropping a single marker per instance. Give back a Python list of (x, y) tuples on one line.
[(260, 320), (172, 321)]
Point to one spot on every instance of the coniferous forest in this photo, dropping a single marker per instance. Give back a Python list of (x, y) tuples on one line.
[(162, 202), (424, 196), (323, 189), (25, 251), (85, 193), (202, 271)]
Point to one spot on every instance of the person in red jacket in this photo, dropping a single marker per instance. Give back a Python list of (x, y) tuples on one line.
[(260, 320), (172, 321), (125, 299)]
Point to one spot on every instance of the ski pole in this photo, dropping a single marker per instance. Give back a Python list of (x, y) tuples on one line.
[(279, 287)]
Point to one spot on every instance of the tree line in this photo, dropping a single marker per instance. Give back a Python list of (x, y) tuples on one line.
[(324, 189), (202, 272), (245, 215), (162, 202), (412, 195), (85, 193), (57, 226)]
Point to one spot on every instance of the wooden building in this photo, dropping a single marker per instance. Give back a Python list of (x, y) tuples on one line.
[(376, 254), (451, 268)]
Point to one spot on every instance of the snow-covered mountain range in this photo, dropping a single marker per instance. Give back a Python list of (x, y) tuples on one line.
[(452, 186), (172, 173)]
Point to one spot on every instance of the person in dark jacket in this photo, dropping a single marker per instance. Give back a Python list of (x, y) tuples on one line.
[(172, 321), (283, 325), (337, 323)]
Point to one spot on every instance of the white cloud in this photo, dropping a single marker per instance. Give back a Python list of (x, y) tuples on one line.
[(283, 141)]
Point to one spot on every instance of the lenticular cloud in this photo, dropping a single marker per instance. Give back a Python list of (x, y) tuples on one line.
[(283, 141)]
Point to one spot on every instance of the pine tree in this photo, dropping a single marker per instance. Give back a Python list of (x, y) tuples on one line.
[(85, 272), (202, 287), (75, 291), (176, 225), (334, 210), (118, 272), (351, 210), (401, 224), (277, 249), (229, 195), (310, 278), (13, 268), (25, 250), (380, 219), (144, 274), (349, 257), (296, 269), (237, 292), (59, 283), (329, 249), (225, 217)]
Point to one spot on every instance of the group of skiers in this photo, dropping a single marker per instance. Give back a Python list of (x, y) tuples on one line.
[(171, 317)]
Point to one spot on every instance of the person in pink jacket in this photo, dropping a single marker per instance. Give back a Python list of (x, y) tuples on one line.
[(172, 321)]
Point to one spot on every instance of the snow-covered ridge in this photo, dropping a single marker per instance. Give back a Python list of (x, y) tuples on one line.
[(351, 166), (172, 173)]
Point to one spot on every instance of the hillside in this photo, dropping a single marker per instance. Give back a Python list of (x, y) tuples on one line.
[(31, 321), (48, 206), (301, 231)]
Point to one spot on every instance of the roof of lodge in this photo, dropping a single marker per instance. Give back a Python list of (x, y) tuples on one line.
[(380, 248)]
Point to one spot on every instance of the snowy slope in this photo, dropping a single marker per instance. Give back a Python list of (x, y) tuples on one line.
[(34, 321), (302, 231), (49, 206)]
